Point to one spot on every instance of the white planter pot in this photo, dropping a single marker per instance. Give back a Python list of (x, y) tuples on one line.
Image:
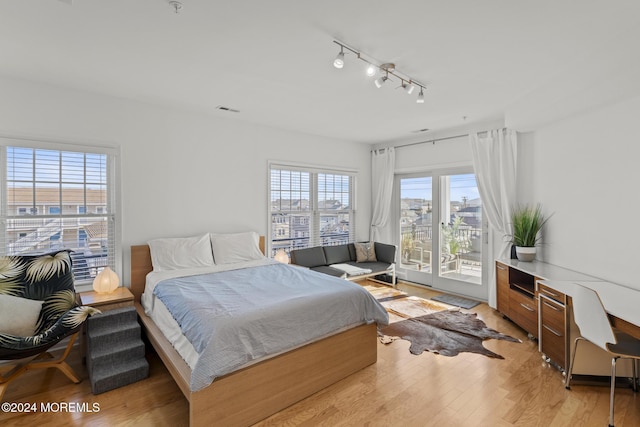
[(527, 254)]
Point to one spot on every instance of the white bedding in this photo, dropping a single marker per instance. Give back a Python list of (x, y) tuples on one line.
[(158, 312), (299, 312)]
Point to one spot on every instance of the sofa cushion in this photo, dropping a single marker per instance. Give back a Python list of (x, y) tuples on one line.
[(308, 257), (375, 267), (330, 270), (337, 254), (385, 252), (365, 252)]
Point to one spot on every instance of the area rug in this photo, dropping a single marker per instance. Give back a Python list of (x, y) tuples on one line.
[(448, 333), (433, 326), (401, 305), (455, 300)]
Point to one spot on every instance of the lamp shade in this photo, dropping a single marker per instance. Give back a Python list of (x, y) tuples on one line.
[(281, 256), (371, 70), (380, 81), (106, 281), (339, 61), (408, 88)]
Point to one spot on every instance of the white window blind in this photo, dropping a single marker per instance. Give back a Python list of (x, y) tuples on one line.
[(60, 199), (310, 207)]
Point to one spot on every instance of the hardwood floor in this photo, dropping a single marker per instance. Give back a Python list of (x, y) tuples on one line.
[(401, 389)]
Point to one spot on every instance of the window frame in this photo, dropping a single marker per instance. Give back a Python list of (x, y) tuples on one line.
[(314, 213), (112, 197)]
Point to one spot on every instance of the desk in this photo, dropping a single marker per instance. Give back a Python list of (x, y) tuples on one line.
[(621, 303), (516, 289), (523, 299)]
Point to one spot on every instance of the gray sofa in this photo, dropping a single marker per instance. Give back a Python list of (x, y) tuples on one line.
[(320, 258)]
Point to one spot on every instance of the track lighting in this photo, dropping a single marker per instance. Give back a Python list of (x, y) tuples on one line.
[(388, 70), (380, 81), (408, 87), (371, 70), (339, 61)]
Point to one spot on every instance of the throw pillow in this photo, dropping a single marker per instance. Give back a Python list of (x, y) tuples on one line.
[(18, 316), (365, 252)]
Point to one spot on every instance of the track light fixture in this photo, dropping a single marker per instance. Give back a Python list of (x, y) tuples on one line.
[(371, 70), (380, 81), (408, 87), (387, 69), (339, 61)]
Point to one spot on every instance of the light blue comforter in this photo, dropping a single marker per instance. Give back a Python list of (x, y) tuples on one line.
[(235, 317)]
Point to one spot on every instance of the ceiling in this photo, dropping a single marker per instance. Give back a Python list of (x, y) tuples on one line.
[(481, 61)]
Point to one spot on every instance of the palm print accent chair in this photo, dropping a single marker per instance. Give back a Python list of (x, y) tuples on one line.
[(38, 308)]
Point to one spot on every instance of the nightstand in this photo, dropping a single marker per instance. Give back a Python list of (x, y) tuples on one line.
[(121, 297), (114, 348)]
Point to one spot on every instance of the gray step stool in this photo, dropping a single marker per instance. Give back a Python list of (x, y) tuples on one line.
[(115, 351)]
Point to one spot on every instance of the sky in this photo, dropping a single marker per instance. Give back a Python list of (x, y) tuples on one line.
[(463, 185)]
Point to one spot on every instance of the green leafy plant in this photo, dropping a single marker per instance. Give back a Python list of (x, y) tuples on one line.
[(527, 221), (408, 244), (453, 240)]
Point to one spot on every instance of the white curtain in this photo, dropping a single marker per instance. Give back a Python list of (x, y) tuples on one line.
[(382, 168), (494, 162)]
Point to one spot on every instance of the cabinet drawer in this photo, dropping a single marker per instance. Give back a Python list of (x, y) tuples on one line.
[(551, 313), (553, 343), (553, 339), (524, 312), (552, 293)]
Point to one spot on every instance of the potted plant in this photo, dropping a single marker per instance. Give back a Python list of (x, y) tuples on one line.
[(408, 245), (527, 222), (454, 241)]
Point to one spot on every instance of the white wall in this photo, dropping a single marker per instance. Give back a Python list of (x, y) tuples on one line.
[(182, 173), (584, 171)]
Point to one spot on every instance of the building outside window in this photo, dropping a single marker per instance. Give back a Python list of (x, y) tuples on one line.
[(310, 207), (49, 192)]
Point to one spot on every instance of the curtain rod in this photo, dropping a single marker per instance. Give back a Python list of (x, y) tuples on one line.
[(433, 141)]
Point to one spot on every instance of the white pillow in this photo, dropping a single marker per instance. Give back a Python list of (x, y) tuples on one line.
[(181, 252), (236, 247), (18, 316)]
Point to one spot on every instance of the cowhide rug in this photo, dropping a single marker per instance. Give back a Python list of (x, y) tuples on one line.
[(447, 333), (432, 326)]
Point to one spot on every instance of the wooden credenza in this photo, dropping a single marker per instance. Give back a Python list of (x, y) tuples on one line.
[(516, 297), (537, 297), (543, 312)]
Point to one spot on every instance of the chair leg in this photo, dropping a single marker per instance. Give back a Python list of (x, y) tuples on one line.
[(634, 385), (567, 379), (613, 389), (59, 363), (15, 372), (36, 362)]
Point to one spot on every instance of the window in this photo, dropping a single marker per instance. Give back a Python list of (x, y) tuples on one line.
[(310, 207), (49, 192)]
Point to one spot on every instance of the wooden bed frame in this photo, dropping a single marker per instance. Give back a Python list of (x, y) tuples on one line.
[(249, 395)]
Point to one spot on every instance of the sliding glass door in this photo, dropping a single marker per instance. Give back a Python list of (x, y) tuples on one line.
[(441, 230)]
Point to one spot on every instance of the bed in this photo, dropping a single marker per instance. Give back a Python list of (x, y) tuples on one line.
[(264, 387)]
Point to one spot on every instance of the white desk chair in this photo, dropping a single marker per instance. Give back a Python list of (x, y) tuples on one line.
[(591, 318)]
